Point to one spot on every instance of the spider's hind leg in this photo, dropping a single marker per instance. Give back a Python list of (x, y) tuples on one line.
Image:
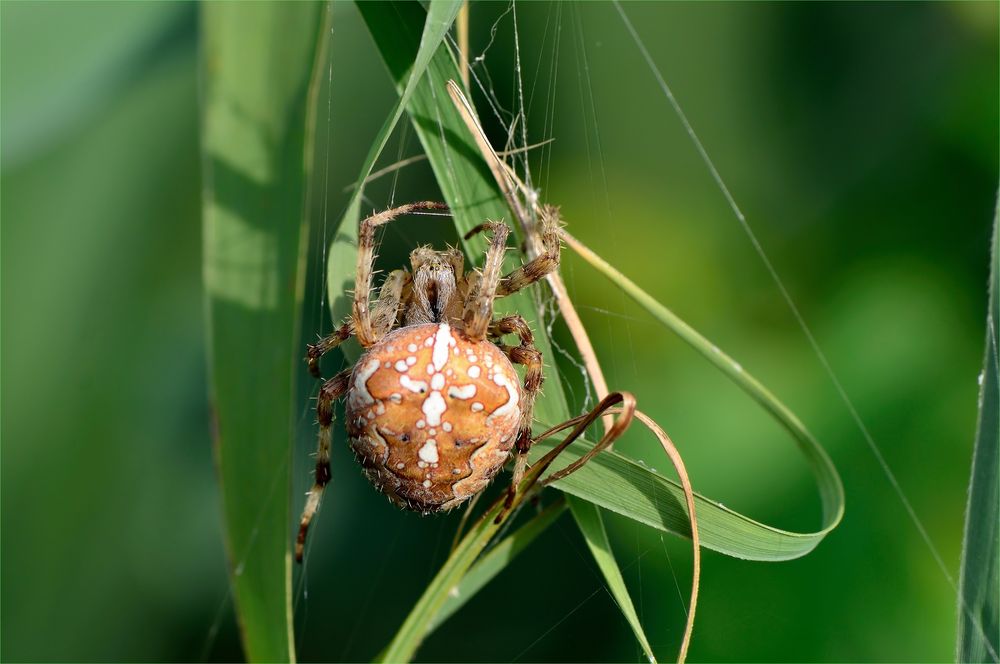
[(332, 390), (528, 356)]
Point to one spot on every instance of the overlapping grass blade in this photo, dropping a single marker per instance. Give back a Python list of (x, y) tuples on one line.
[(495, 560), (256, 66), (978, 601), (588, 518), (621, 485)]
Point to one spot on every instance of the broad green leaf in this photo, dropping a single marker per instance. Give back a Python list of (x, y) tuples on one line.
[(979, 604), (588, 518), (256, 64)]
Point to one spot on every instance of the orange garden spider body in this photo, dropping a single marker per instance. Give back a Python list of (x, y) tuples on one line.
[(434, 406)]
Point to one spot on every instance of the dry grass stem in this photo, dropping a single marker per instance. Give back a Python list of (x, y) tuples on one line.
[(509, 185)]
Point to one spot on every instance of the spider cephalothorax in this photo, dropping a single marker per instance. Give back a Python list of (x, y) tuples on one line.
[(434, 405)]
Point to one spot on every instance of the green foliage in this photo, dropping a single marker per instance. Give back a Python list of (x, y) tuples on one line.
[(112, 528), (644, 495), (257, 64)]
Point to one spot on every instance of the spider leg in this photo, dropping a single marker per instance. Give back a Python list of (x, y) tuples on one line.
[(535, 269), (314, 352), (385, 313), (512, 325), (384, 316), (479, 306), (528, 356), (363, 324), (332, 390)]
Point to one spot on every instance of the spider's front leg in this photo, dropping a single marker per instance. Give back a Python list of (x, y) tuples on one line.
[(540, 266), (363, 317), (479, 307), (332, 390)]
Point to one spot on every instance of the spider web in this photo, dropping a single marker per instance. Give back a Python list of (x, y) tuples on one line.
[(599, 190), (516, 121)]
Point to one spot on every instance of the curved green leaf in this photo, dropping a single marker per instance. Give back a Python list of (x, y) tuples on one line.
[(621, 485), (748, 538), (256, 66)]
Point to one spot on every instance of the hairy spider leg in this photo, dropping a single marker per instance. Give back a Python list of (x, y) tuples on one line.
[(332, 390), (538, 267), (363, 325), (531, 359), (384, 316), (315, 352), (513, 324), (394, 293), (479, 307)]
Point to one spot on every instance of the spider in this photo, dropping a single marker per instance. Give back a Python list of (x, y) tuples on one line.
[(433, 407)]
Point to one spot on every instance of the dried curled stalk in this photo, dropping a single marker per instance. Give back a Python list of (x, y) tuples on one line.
[(511, 185)]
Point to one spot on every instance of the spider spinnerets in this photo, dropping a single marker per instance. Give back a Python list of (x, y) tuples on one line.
[(434, 406)]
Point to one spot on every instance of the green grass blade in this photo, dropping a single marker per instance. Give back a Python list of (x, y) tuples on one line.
[(256, 64), (344, 248), (494, 561), (406, 641), (978, 602), (588, 518)]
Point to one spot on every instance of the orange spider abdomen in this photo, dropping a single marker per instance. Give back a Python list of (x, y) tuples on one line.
[(432, 416)]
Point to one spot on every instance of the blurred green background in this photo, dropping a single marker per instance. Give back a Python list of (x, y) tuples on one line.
[(860, 140)]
